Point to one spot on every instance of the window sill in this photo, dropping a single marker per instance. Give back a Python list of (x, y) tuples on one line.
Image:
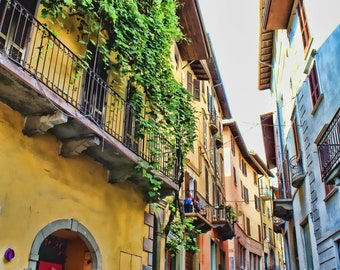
[(331, 193), (317, 104)]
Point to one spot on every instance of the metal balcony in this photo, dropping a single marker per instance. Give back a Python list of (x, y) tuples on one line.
[(329, 151), (207, 217), (297, 173), (282, 205), (278, 224), (265, 193), (56, 91), (199, 209), (213, 123)]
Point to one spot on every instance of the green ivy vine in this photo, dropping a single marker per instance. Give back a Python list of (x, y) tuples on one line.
[(181, 232), (140, 35)]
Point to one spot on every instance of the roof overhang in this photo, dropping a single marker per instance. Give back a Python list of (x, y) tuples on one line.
[(218, 85), (276, 14), (267, 124), (265, 59), (196, 45)]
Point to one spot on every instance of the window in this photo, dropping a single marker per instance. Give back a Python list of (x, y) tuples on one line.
[(234, 174), (270, 232), (308, 245), (303, 24), (259, 232), (257, 203), (206, 184), (314, 85), (205, 132), (296, 139), (244, 167), (248, 226), (328, 188), (337, 247), (197, 89), (264, 231), (255, 178), (189, 82), (246, 195), (232, 144), (242, 190)]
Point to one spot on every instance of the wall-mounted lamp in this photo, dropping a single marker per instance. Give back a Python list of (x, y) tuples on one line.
[(9, 254)]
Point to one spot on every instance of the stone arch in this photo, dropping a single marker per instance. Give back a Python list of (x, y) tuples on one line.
[(72, 225)]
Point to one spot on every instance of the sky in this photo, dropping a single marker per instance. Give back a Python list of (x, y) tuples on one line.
[(233, 28)]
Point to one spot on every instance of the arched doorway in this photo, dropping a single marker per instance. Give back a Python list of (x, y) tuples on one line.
[(64, 244)]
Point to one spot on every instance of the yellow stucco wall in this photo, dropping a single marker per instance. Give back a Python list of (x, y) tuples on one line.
[(37, 186)]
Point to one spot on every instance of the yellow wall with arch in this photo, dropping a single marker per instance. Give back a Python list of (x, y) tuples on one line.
[(37, 186)]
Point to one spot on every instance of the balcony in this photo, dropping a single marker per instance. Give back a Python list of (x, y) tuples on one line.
[(207, 217), (297, 173), (278, 224), (329, 152), (213, 123), (265, 193), (199, 209), (218, 141), (223, 221), (283, 206), (57, 92), (276, 14)]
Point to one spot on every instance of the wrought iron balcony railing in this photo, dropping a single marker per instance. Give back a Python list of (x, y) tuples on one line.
[(297, 173), (207, 216), (39, 53), (265, 193), (329, 149)]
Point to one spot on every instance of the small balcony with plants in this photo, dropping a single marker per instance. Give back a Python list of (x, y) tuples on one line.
[(329, 151), (199, 209), (208, 216)]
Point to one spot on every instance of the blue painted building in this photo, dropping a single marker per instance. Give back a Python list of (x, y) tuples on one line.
[(299, 63)]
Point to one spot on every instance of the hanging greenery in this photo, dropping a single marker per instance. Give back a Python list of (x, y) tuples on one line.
[(181, 232), (140, 34)]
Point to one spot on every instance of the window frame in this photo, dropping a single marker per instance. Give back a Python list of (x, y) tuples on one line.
[(305, 34), (314, 85)]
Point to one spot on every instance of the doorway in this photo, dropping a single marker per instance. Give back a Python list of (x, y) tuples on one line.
[(64, 245), (16, 20)]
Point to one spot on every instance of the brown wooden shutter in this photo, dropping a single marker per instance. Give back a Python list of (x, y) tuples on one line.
[(189, 82), (186, 183), (197, 89)]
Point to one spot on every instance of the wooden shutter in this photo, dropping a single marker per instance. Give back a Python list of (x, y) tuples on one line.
[(189, 82), (197, 89)]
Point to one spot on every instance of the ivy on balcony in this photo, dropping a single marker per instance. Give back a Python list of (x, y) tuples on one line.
[(140, 34)]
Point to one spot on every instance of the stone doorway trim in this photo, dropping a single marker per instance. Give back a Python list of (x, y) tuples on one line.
[(69, 224)]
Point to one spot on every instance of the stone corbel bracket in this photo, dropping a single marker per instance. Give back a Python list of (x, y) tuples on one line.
[(38, 125)]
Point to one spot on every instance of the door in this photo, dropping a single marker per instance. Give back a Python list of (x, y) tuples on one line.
[(16, 19), (130, 138), (95, 87)]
